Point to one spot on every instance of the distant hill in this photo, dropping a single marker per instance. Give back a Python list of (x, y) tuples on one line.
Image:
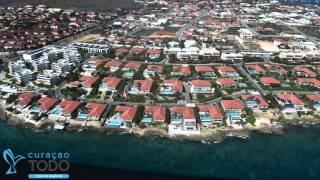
[(81, 4)]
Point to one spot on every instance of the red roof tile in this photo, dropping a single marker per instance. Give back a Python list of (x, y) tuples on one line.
[(156, 68), (181, 68), (204, 69), (177, 85), (269, 80), (26, 98), (187, 112), (137, 50), (121, 51), (214, 111), (144, 84), (135, 66), (88, 81), (153, 51), (290, 97), (226, 81), (96, 109), (46, 103), (256, 67), (313, 97), (305, 70), (226, 69), (111, 81), (127, 112), (69, 106), (232, 104), (313, 81), (202, 83), (113, 64), (257, 98), (277, 68), (158, 113)]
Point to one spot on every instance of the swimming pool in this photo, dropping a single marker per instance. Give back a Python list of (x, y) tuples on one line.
[(35, 109), (114, 122), (56, 111), (82, 115), (233, 115)]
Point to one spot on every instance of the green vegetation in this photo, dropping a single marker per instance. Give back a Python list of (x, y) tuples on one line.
[(12, 98), (205, 98), (74, 93), (136, 98), (139, 115), (251, 120)]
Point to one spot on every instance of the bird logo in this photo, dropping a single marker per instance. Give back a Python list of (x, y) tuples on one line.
[(11, 160)]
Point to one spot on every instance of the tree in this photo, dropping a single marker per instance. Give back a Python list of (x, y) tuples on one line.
[(11, 98)]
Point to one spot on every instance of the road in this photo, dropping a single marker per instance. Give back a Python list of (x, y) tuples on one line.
[(203, 13), (252, 81), (187, 87)]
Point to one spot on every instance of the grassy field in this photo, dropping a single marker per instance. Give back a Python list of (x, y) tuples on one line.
[(81, 4)]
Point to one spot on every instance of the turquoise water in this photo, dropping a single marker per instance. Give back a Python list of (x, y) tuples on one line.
[(57, 111), (293, 155)]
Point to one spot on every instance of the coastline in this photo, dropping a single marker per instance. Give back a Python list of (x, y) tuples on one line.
[(207, 135)]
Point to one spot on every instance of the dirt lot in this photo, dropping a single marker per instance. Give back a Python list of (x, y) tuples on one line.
[(88, 38)]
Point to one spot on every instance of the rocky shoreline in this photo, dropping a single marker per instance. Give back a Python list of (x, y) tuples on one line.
[(207, 135)]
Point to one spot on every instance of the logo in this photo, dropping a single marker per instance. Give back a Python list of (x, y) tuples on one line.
[(11, 160), (43, 165)]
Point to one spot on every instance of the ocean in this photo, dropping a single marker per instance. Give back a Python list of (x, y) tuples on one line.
[(292, 155)]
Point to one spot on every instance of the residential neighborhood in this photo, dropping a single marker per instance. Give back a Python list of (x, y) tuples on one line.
[(183, 67)]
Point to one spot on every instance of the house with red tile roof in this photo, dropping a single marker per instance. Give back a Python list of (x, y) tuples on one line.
[(141, 87), (123, 117), (183, 118), (136, 50), (129, 69), (255, 101), (255, 69), (227, 82), (228, 71), (315, 99), (268, 81), (113, 65), (309, 82), (121, 52), (88, 81), (73, 84), (154, 114), (93, 111), (290, 102), (304, 72), (152, 70), (232, 105), (25, 99), (180, 70), (171, 87), (276, 69), (210, 114), (206, 71), (46, 103), (153, 53), (201, 87), (109, 84), (65, 108), (132, 66)]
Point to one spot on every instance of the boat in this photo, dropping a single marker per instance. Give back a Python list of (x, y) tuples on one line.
[(59, 126)]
